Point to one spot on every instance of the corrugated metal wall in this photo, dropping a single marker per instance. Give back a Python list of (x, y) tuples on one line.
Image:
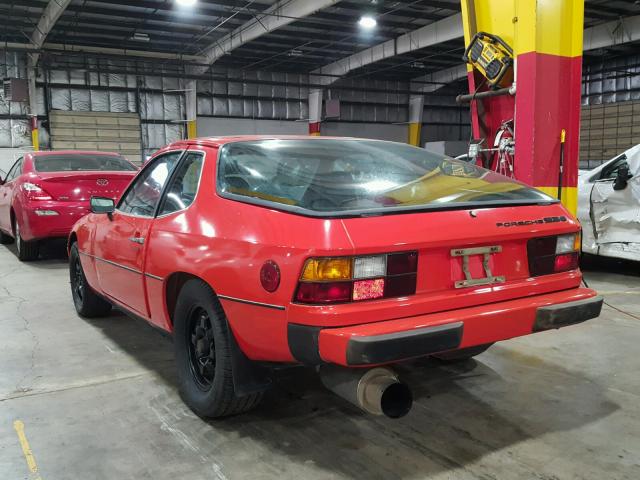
[(156, 91), (14, 123)]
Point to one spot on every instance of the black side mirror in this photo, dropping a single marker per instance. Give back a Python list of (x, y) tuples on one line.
[(3, 177), (622, 177), (102, 205)]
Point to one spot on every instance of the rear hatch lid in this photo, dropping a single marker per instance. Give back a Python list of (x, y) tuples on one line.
[(468, 257)]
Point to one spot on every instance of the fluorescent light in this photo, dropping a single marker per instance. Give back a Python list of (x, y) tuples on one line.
[(186, 3), (367, 22), (140, 37)]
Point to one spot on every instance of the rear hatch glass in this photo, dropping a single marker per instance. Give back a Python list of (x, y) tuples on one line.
[(342, 177)]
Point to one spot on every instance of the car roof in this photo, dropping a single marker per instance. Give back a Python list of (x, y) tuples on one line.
[(72, 152), (218, 141)]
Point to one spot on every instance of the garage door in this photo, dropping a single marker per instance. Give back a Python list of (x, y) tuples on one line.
[(104, 131)]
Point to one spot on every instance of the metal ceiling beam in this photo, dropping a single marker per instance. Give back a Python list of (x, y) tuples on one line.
[(49, 17), (616, 32), (278, 15), (441, 31)]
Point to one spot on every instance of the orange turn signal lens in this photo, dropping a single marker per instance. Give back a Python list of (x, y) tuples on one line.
[(321, 269)]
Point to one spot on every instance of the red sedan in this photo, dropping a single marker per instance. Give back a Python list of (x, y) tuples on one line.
[(336, 253), (45, 193)]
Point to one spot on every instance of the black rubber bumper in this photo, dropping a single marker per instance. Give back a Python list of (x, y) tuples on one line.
[(393, 347), (565, 314)]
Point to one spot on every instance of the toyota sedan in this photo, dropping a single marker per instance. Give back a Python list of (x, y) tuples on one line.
[(45, 193), (345, 254)]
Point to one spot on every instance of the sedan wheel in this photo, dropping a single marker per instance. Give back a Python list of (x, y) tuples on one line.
[(26, 250)]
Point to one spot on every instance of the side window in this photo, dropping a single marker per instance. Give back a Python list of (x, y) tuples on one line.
[(15, 170), (144, 193), (184, 185), (611, 171)]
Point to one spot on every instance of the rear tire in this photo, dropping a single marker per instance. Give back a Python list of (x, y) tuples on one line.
[(462, 355), (203, 355), (5, 239), (87, 302), (27, 251)]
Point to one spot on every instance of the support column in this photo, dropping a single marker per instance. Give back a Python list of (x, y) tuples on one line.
[(416, 108), (192, 108), (546, 37), (33, 103), (315, 112)]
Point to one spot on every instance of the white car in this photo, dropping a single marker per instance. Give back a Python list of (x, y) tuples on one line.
[(609, 207)]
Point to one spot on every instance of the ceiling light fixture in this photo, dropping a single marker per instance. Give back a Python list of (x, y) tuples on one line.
[(140, 37), (186, 3), (367, 22)]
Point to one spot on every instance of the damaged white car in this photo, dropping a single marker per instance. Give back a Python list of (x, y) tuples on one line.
[(609, 207)]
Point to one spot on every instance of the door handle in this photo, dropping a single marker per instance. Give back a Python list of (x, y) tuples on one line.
[(139, 240)]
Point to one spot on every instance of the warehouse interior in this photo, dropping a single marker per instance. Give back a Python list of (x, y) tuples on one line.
[(98, 398)]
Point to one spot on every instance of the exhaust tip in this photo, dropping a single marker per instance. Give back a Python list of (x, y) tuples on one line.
[(396, 400)]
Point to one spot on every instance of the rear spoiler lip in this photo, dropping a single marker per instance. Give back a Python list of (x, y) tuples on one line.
[(90, 174), (379, 212)]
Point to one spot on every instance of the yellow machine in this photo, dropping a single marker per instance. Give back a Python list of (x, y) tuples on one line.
[(492, 57)]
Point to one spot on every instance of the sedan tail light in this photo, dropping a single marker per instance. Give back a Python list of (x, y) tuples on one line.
[(553, 254), (354, 279), (35, 192)]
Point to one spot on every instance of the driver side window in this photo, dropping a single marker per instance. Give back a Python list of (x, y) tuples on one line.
[(144, 193)]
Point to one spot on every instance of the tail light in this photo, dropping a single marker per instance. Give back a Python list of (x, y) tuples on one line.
[(354, 279), (35, 192), (553, 254)]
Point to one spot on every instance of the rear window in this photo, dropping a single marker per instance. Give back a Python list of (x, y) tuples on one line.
[(82, 163), (337, 177)]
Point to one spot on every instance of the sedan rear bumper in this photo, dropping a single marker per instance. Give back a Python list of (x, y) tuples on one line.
[(51, 219), (401, 339)]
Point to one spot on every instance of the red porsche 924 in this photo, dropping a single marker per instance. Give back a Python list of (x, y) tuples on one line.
[(45, 193), (346, 254)]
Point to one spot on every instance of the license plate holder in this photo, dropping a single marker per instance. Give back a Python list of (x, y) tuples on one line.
[(486, 253)]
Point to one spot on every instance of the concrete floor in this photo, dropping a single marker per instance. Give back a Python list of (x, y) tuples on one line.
[(98, 401)]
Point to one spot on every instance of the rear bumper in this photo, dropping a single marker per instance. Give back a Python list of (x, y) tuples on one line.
[(47, 226), (401, 339)]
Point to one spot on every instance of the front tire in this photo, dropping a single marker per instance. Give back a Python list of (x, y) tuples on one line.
[(87, 302), (463, 354), (203, 355), (27, 251)]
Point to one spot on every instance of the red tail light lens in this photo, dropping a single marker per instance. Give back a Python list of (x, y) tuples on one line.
[(330, 292), (566, 262), (555, 254), (354, 279), (35, 192)]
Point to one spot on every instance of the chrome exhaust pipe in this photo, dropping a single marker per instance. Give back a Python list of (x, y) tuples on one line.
[(377, 390)]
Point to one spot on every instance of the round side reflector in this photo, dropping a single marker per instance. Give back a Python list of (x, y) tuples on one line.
[(270, 276)]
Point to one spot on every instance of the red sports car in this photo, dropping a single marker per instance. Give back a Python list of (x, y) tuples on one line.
[(45, 193), (338, 253)]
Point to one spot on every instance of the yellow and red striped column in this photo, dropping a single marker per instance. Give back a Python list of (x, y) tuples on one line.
[(546, 37), (191, 103), (416, 108), (315, 112)]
